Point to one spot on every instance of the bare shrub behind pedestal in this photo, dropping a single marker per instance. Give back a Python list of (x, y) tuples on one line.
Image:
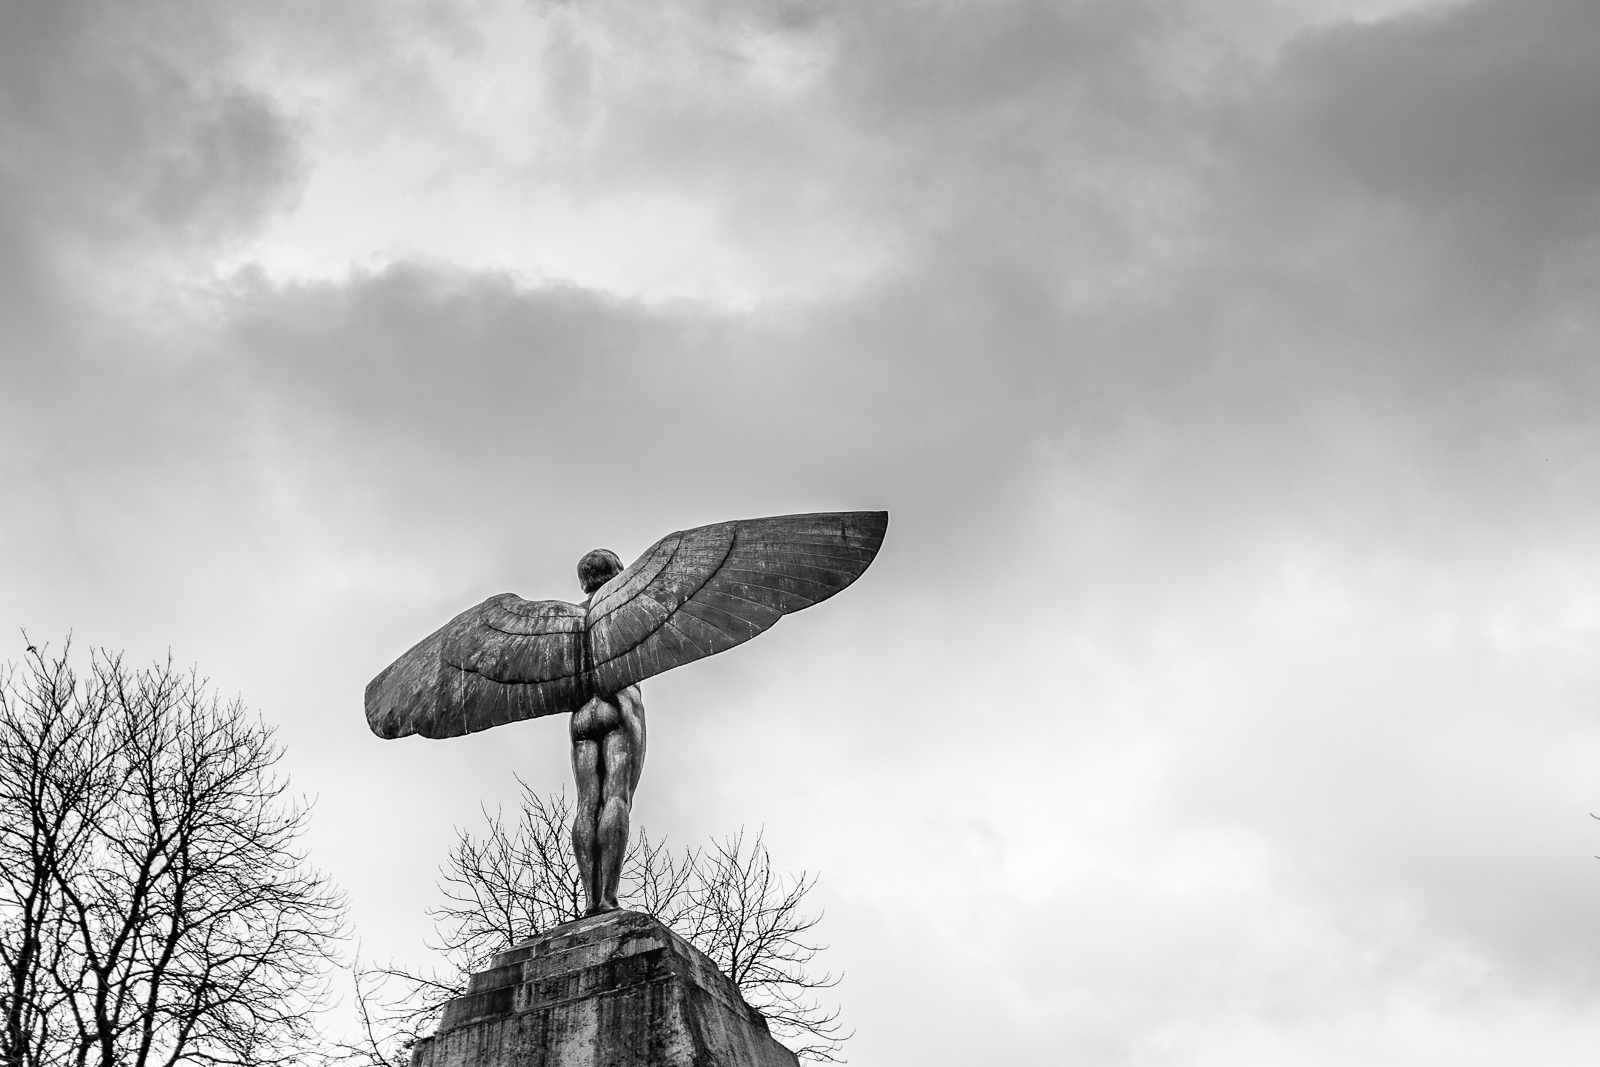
[(520, 879), (752, 921)]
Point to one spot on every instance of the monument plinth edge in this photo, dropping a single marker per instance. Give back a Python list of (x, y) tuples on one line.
[(613, 990)]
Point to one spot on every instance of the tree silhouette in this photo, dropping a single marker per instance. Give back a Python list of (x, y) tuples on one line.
[(154, 907)]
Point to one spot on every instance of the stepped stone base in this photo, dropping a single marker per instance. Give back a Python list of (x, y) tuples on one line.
[(614, 990)]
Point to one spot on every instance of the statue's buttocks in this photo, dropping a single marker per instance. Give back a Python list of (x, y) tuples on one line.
[(601, 715)]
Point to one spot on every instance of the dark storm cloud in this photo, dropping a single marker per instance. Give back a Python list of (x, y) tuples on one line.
[(460, 387), (127, 147), (1431, 193), (123, 126), (1480, 120), (1137, 259)]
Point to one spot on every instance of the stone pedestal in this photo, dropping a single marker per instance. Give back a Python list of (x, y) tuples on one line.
[(615, 990)]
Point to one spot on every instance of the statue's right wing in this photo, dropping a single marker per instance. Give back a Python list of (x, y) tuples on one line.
[(499, 661), (701, 591)]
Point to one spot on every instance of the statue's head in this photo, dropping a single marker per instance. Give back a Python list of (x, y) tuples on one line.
[(597, 568)]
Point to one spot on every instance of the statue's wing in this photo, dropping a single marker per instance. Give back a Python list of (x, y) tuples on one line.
[(503, 660), (698, 592)]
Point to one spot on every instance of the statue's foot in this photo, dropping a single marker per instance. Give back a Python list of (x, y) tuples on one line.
[(600, 909)]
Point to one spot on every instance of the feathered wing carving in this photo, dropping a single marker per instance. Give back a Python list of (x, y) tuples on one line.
[(500, 661), (702, 591), (694, 593)]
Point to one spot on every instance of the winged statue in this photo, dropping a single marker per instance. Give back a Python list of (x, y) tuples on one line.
[(692, 594)]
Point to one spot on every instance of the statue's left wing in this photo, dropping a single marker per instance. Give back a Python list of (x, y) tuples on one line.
[(502, 660), (700, 591)]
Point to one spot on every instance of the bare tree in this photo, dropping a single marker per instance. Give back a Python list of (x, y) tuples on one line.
[(520, 879), (389, 1020), (751, 920), (516, 881), (154, 907)]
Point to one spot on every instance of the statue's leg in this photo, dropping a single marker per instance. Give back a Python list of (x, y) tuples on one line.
[(623, 758), (586, 773)]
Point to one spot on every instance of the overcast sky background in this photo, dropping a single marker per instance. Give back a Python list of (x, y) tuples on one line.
[(1226, 691)]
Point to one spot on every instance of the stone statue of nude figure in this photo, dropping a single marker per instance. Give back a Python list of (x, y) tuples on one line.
[(692, 594), (607, 756)]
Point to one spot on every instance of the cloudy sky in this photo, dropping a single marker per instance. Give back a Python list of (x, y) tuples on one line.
[(1226, 690)]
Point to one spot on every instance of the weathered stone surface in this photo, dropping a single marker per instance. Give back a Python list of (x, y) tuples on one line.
[(614, 990)]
